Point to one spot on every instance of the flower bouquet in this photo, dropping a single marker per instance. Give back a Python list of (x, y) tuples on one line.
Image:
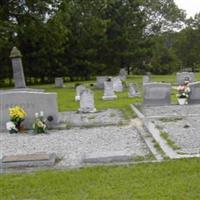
[(183, 92), (39, 125), (17, 115)]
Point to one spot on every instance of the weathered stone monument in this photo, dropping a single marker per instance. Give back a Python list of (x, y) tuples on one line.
[(79, 89), (87, 102), (59, 82), (194, 95), (132, 90), (31, 102), (100, 81), (109, 93), (123, 74), (18, 73), (117, 84), (181, 77), (157, 94)]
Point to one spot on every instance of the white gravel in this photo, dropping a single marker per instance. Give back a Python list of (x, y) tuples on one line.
[(72, 145)]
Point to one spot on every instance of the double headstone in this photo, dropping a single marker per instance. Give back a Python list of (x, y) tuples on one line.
[(194, 95), (181, 77), (79, 89), (100, 81), (18, 73), (31, 102), (87, 101), (157, 94), (59, 82), (123, 74), (117, 84), (109, 93), (132, 90)]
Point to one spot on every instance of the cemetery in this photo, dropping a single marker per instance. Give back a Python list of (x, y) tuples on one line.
[(99, 100)]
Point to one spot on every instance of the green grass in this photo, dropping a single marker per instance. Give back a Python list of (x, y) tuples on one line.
[(177, 180)]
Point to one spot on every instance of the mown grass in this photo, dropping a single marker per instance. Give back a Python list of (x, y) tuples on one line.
[(179, 179)]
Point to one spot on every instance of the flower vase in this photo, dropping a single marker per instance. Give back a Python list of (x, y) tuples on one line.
[(182, 101)]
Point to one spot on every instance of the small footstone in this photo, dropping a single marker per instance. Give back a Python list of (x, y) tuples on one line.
[(29, 160), (106, 157)]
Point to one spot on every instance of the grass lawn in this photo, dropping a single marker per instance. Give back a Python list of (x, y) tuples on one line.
[(66, 95), (175, 179)]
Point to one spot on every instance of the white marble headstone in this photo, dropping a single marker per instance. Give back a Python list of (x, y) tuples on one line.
[(109, 93), (117, 84), (79, 89), (87, 101)]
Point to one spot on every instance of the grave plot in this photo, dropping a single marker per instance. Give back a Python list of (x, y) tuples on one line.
[(176, 128), (77, 147)]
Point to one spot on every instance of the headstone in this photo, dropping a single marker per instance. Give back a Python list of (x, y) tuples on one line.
[(146, 79), (109, 93), (117, 84), (18, 73), (157, 94), (31, 102), (87, 102), (194, 95), (79, 89), (100, 81), (181, 77), (123, 74), (59, 82), (132, 90)]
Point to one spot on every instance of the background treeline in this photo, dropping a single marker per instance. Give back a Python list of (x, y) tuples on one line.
[(84, 38)]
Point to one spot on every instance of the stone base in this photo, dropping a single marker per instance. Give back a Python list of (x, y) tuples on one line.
[(29, 160), (87, 110), (109, 97), (136, 95)]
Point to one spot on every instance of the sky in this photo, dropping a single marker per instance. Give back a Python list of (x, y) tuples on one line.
[(190, 6)]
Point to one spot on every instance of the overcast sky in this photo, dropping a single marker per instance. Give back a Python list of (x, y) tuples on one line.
[(190, 6)]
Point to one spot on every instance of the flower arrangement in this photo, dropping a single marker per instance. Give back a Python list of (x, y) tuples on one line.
[(17, 115), (183, 91), (39, 125)]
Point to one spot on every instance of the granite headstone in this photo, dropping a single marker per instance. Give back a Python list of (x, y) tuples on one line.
[(181, 77), (157, 94), (100, 81), (132, 90), (194, 95), (59, 82), (31, 102)]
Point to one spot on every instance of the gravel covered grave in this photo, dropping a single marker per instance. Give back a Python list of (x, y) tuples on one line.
[(74, 144)]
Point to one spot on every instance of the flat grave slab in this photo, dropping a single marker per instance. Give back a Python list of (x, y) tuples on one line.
[(29, 160)]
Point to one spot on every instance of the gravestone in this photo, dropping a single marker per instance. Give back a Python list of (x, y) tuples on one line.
[(59, 82), (117, 84), (87, 102), (181, 77), (194, 95), (109, 93), (18, 73), (31, 102), (157, 94), (123, 74), (132, 90), (146, 79), (100, 81), (79, 89)]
